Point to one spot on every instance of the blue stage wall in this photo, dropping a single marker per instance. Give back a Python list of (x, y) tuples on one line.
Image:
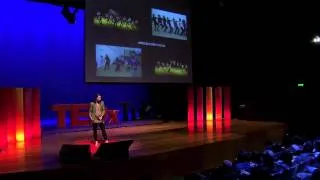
[(38, 48)]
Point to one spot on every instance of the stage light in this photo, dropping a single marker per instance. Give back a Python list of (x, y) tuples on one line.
[(68, 15), (19, 137), (316, 40)]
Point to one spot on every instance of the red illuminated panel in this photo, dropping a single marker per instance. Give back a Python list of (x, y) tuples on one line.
[(209, 111), (200, 115), (28, 108), (218, 103), (227, 108), (3, 120), (218, 114), (36, 125), (209, 104), (19, 115), (191, 108), (10, 118)]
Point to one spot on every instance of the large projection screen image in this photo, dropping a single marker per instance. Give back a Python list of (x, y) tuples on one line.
[(142, 41)]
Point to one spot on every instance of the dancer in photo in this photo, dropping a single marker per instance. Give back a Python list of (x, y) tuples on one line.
[(164, 22), (160, 21), (106, 62), (155, 23), (97, 113), (176, 26), (184, 28), (169, 25)]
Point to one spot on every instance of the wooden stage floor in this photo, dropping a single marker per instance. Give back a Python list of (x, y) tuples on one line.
[(159, 150)]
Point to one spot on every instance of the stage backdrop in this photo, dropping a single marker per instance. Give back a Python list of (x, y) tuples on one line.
[(40, 49)]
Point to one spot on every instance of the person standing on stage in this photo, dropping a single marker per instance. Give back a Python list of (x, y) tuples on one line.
[(97, 112)]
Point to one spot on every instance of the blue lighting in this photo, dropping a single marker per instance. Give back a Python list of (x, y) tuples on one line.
[(40, 49)]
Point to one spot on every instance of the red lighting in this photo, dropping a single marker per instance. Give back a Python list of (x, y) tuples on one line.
[(218, 103), (20, 115), (209, 111), (200, 114), (217, 114), (191, 108), (227, 108), (209, 104)]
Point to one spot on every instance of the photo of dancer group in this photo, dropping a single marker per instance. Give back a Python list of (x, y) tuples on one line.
[(113, 19), (169, 25), (171, 68), (115, 61)]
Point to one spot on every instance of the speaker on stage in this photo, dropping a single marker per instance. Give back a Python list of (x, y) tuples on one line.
[(114, 151), (74, 153)]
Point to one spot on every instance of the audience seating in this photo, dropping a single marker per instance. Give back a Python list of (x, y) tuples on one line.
[(294, 158)]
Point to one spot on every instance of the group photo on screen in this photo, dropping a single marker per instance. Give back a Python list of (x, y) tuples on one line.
[(174, 68), (114, 19), (168, 24), (115, 61)]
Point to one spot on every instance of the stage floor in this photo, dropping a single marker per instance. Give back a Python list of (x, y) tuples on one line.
[(162, 145)]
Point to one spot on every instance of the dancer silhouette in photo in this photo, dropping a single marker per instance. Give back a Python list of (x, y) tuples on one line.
[(106, 63), (135, 64), (128, 64), (182, 27), (184, 24), (97, 113), (164, 24), (159, 21), (176, 26), (155, 23), (117, 62), (169, 25)]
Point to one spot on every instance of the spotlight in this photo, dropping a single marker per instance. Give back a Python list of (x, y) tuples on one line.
[(68, 15), (316, 40)]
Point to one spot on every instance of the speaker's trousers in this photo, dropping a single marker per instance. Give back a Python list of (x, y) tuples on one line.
[(102, 128)]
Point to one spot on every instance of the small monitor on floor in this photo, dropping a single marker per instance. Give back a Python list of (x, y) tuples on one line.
[(71, 153), (114, 151)]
